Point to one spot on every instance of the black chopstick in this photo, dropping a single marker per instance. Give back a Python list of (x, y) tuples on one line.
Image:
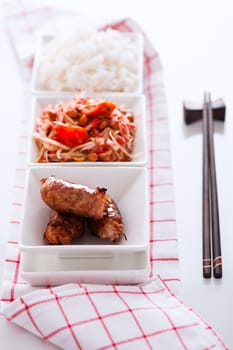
[(216, 240), (206, 233), (211, 227)]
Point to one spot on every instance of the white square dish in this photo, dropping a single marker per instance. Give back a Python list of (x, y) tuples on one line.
[(135, 104), (127, 186), (100, 61)]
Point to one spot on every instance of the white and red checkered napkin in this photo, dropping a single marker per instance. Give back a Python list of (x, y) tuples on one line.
[(112, 317)]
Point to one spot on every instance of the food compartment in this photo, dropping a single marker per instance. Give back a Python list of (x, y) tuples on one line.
[(96, 61), (102, 136), (127, 186)]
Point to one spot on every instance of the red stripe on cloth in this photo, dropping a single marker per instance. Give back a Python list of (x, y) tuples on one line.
[(16, 275), (162, 220), (194, 324), (114, 25), (165, 240), (68, 325), (172, 279), (61, 329), (165, 259), (121, 26), (126, 292), (164, 202), (6, 300), (147, 59), (13, 242), (57, 331), (210, 347), (15, 222), (164, 167), (100, 318), (31, 318), (161, 184), (20, 282), (132, 313), (12, 261)]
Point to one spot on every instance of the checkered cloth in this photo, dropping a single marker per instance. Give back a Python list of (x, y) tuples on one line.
[(81, 316)]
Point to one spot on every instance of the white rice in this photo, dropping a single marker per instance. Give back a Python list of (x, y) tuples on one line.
[(94, 61)]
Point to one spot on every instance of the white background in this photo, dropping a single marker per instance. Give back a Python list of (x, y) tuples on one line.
[(194, 40)]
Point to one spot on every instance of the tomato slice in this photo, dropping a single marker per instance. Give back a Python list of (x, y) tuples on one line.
[(99, 108), (70, 135)]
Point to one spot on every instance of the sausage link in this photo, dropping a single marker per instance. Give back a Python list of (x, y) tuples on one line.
[(111, 226), (67, 197), (63, 228)]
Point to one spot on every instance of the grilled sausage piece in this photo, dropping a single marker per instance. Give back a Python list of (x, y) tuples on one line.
[(111, 226), (67, 197), (63, 228)]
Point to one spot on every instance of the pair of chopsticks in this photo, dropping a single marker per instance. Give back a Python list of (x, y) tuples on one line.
[(211, 241), (211, 227)]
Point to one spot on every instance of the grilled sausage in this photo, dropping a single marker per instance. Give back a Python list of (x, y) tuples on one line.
[(111, 226), (63, 228), (67, 197)]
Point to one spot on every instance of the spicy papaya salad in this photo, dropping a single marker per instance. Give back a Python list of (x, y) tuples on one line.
[(85, 129)]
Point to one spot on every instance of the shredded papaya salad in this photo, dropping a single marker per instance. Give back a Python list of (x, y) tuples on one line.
[(85, 129)]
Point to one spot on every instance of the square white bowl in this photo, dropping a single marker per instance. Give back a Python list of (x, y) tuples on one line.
[(135, 39), (128, 186), (136, 103)]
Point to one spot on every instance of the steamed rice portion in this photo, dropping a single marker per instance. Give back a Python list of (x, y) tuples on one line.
[(98, 61)]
